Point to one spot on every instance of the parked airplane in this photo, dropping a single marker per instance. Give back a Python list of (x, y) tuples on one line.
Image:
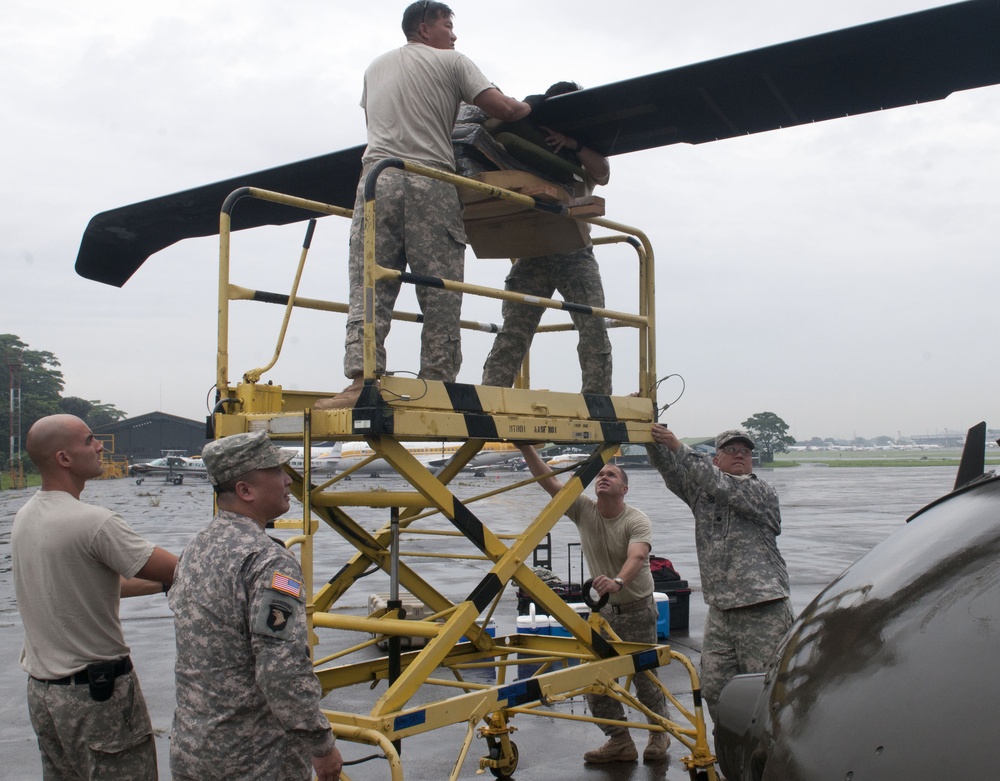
[(433, 455), (325, 457), (567, 459), (173, 466)]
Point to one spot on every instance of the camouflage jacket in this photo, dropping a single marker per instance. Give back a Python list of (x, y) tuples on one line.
[(247, 697), (737, 523)]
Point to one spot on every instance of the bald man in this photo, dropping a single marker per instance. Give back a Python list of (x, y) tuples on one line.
[(72, 564)]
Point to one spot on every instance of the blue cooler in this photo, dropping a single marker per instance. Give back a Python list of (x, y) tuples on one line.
[(557, 629), (663, 614), (533, 625)]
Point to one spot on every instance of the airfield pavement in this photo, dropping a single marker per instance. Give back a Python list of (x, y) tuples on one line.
[(830, 518)]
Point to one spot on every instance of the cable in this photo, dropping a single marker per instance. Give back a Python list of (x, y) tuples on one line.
[(666, 406), (406, 398)]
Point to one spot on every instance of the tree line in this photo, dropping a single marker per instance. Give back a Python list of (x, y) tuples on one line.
[(41, 388)]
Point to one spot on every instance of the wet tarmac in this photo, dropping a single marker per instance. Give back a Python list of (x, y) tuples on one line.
[(831, 516)]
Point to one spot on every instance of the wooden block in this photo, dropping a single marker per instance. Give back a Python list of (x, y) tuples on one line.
[(494, 207), (590, 206), (515, 181)]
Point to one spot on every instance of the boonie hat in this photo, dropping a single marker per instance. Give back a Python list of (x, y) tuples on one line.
[(732, 435), (238, 454)]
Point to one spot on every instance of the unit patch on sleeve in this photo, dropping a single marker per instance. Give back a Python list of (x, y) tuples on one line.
[(276, 616)]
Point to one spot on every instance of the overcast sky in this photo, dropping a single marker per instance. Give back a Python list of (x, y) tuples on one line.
[(843, 275)]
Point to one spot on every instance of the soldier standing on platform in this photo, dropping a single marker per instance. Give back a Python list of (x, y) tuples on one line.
[(411, 98), (574, 274)]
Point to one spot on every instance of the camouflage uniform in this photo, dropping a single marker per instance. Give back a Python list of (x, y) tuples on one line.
[(80, 738), (638, 626), (247, 697), (418, 223), (578, 279), (743, 575)]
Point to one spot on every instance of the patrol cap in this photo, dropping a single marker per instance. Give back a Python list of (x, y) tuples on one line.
[(731, 435), (238, 454)]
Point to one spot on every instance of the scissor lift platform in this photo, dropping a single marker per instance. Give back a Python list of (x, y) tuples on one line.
[(590, 660), (392, 410)]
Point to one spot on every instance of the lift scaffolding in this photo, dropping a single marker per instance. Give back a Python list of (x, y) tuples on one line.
[(392, 410)]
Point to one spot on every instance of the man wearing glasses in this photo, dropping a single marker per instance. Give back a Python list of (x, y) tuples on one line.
[(743, 576)]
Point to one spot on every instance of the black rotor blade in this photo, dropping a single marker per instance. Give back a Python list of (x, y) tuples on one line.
[(117, 242), (916, 58)]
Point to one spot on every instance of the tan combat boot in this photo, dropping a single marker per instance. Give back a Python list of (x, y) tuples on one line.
[(348, 397), (619, 748), (656, 748)]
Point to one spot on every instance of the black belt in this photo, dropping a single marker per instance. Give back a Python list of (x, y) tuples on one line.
[(629, 607), (122, 666)]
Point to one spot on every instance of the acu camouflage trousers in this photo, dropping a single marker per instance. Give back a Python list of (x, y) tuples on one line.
[(737, 641), (418, 223), (84, 740), (638, 626), (578, 279)]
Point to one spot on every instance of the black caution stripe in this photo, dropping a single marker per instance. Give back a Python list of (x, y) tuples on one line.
[(520, 693), (465, 399), (485, 592)]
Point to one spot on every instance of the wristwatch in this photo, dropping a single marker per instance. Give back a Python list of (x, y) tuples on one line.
[(620, 582)]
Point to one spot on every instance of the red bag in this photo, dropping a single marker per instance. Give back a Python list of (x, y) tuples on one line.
[(662, 569)]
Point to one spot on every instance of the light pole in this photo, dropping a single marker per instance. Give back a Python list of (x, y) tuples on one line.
[(16, 469)]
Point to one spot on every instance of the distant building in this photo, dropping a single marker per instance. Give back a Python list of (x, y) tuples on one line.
[(947, 439), (146, 437)]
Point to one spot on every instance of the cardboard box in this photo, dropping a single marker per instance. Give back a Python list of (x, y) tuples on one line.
[(415, 611), (498, 228)]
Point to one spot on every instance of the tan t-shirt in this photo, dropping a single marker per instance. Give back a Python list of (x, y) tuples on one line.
[(411, 98), (605, 543), (67, 558)]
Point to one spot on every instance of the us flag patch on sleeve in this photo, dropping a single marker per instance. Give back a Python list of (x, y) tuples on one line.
[(284, 583)]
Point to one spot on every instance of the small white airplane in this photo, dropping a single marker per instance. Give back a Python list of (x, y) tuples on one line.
[(567, 459), (325, 458), (433, 455), (173, 466)]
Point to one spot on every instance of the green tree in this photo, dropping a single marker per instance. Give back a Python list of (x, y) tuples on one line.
[(770, 433), (94, 413), (41, 385)]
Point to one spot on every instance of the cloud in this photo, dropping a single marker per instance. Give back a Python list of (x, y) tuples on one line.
[(842, 274)]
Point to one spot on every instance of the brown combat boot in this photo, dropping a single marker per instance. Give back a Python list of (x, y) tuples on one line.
[(656, 748), (348, 397), (619, 748)]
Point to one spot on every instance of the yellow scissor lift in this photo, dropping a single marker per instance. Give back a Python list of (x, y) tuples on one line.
[(395, 409)]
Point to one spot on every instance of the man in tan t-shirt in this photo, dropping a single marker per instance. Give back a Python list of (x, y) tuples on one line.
[(411, 98), (72, 562), (616, 541)]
